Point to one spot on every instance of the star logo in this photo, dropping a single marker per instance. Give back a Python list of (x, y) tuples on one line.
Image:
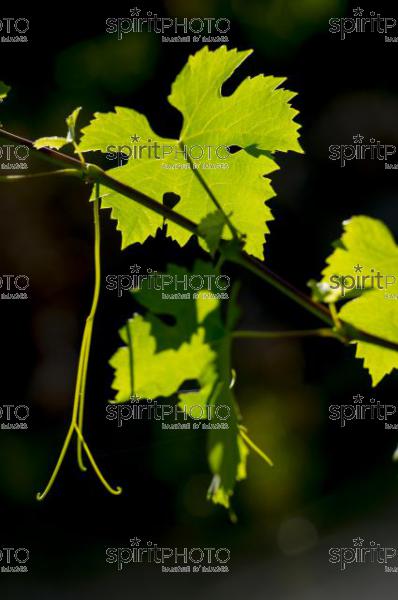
[(358, 139), (358, 399), (135, 138), (135, 541), (135, 12), (135, 268), (357, 11), (358, 542), (358, 268)]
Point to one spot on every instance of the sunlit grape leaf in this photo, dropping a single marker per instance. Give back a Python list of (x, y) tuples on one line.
[(50, 142), (158, 357), (256, 117), (227, 452), (71, 124), (367, 258), (59, 142), (171, 294), (141, 371)]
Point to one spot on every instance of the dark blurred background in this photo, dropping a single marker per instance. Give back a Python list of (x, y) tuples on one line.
[(329, 483)]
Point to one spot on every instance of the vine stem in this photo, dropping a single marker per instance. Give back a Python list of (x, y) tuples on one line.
[(76, 424), (90, 321), (72, 172), (93, 173)]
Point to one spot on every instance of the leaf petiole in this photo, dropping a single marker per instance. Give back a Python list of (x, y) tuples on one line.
[(253, 446)]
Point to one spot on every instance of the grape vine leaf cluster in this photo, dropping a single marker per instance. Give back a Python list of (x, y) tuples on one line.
[(225, 196), (256, 118)]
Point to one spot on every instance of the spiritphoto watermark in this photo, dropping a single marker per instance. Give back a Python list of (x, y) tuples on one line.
[(14, 157), (172, 416), (172, 29), (14, 560), (373, 410), (173, 286), (358, 150), (172, 156), (14, 30), (358, 282), (170, 559), (363, 553), (14, 416), (13, 287), (361, 22)]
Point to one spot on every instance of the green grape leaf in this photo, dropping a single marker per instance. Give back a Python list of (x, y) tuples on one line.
[(365, 262), (159, 357), (71, 124), (141, 371), (166, 294), (59, 142), (51, 142), (228, 461), (256, 117), (227, 452)]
